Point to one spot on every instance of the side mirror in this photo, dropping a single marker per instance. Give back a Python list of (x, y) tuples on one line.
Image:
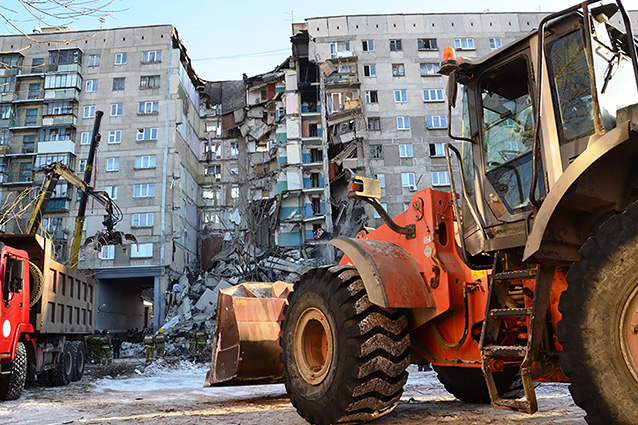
[(451, 89)]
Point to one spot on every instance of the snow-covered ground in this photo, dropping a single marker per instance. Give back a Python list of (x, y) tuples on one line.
[(174, 394)]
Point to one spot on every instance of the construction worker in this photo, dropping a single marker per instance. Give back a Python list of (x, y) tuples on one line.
[(105, 348), (149, 346), (95, 347), (202, 341), (192, 341), (160, 343)]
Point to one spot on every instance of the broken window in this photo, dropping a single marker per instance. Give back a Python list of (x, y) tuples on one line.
[(213, 170), (395, 45), (374, 123), (316, 155), (234, 150), (234, 192), (376, 151), (315, 180), (313, 130), (316, 205), (427, 44), (370, 70), (437, 149), (340, 49), (367, 45), (372, 96), (398, 70)]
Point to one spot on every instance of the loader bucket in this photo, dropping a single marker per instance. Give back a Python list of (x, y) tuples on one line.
[(246, 337)]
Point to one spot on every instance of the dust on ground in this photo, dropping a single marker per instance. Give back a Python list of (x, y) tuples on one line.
[(172, 393)]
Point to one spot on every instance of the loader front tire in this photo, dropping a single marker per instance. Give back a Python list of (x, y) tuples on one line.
[(344, 358), (599, 326)]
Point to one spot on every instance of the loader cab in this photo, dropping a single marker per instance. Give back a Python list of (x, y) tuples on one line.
[(513, 140)]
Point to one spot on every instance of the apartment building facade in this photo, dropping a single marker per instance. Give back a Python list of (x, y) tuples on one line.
[(52, 84)]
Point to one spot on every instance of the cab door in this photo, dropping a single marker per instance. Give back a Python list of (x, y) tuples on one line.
[(14, 296)]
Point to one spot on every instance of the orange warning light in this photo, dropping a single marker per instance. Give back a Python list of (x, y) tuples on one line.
[(449, 62)]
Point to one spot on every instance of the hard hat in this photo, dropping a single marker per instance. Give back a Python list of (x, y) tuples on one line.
[(161, 330)]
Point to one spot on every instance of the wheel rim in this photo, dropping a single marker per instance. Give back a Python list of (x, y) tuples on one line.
[(313, 346), (80, 361), (629, 333)]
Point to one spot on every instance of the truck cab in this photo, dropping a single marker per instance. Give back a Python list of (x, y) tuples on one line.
[(14, 303)]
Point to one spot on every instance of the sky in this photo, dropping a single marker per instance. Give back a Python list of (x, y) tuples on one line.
[(226, 38)]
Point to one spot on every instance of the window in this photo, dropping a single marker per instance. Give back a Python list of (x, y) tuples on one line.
[(370, 70), (374, 123), (437, 149), (433, 95), (407, 179), (89, 111), (149, 81), (142, 250), (395, 45), (384, 206), (234, 169), (107, 253), (116, 110), (142, 220), (495, 43), (65, 56), (91, 85), (403, 123), (381, 178), (234, 150), (440, 178), (405, 151), (94, 60), (376, 151), (436, 121), (213, 170), (155, 56), (372, 96), (367, 45), (118, 83), (115, 136), (60, 107), (234, 192), (148, 107), (58, 81), (82, 165), (144, 190), (464, 43), (145, 161), (112, 164), (111, 191), (146, 134), (400, 96), (427, 44), (340, 49), (120, 58), (5, 111), (398, 70), (31, 117)]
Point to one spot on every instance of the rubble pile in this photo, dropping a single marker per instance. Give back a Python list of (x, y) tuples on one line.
[(196, 301)]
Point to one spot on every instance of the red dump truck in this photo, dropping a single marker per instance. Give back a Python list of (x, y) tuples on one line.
[(46, 310)]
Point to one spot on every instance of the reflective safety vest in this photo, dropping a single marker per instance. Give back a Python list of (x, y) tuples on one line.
[(160, 340), (148, 341)]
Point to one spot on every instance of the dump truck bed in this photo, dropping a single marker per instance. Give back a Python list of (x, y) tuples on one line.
[(68, 296)]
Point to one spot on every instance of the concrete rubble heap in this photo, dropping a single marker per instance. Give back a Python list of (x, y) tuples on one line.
[(196, 302)]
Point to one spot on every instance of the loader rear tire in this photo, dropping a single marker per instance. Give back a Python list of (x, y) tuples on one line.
[(468, 384), (344, 358), (12, 384), (599, 326)]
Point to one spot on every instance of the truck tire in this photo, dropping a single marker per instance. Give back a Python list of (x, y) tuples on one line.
[(63, 372), (45, 379), (344, 358), (599, 326), (11, 385), (79, 360), (36, 280), (468, 384)]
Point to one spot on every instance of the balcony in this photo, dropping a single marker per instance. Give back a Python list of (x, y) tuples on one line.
[(62, 94), (58, 205), (21, 178), (7, 97), (64, 67), (56, 146), (28, 96), (10, 72), (60, 121), (25, 123)]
